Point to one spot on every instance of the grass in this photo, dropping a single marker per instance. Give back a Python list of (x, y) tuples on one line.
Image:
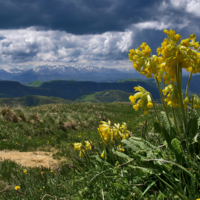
[(59, 126)]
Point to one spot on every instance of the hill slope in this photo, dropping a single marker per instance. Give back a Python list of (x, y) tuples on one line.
[(33, 101), (79, 88), (106, 96)]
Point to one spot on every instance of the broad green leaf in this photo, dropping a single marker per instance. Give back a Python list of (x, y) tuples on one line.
[(157, 127), (191, 128), (176, 144), (167, 137)]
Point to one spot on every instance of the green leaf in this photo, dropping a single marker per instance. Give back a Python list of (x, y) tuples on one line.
[(191, 128), (119, 186), (157, 127), (176, 144), (123, 155), (173, 133), (167, 137), (148, 188)]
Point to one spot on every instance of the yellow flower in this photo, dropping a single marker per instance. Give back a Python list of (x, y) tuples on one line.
[(145, 112), (132, 99), (149, 105), (196, 45), (185, 42), (136, 107), (25, 171), (103, 155), (136, 88), (77, 146), (140, 89), (17, 187), (88, 145), (144, 44), (146, 51), (42, 172), (159, 51), (81, 154), (177, 37), (166, 31)]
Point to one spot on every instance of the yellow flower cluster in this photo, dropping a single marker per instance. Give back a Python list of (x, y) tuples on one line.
[(168, 66), (78, 146), (114, 133), (143, 102)]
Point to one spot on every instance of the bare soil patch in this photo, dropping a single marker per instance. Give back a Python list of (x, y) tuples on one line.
[(32, 159)]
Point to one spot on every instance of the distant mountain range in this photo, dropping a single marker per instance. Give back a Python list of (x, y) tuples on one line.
[(61, 72), (70, 90), (80, 91)]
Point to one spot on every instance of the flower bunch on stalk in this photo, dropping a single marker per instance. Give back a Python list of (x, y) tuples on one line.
[(81, 149), (111, 134), (174, 57), (145, 100)]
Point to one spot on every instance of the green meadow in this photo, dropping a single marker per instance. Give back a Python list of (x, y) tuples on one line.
[(58, 126)]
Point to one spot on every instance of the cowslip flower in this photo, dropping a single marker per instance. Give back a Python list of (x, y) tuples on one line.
[(103, 155), (145, 100), (120, 149), (88, 145), (17, 187), (77, 146)]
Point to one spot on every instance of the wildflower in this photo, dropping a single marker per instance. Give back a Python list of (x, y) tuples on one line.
[(88, 145), (103, 155), (81, 153), (136, 107), (17, 187), (145, 112), (120, 149), (77, 146), (149, 105), (132, 99), (25, 171)]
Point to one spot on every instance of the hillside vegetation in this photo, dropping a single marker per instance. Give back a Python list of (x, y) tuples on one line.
[(31, 100), (106, 96)]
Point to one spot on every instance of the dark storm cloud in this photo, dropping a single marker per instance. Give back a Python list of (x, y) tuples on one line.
[(76, 17)]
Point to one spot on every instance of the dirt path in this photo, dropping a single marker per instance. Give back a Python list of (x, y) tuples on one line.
[(32, 159)]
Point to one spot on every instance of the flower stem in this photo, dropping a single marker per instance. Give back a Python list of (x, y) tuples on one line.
[(156, 111), (175, 121), (179, 84), (187, 88), (164, 105)]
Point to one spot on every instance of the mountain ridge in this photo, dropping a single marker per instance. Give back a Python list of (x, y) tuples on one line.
[(66, 72)]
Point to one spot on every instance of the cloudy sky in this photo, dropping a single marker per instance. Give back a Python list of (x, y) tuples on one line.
[(88, 32)]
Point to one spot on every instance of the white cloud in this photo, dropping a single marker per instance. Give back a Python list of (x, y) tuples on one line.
[(189, 6), (59, 45), (193, 6), (152, 25)]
